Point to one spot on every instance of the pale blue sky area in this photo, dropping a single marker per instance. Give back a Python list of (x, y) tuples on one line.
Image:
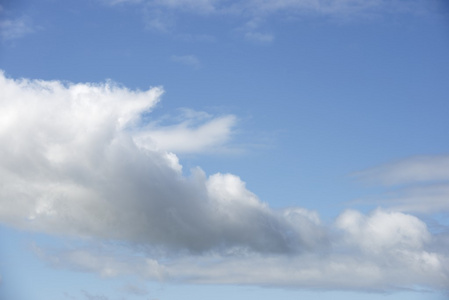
[(333, 113)]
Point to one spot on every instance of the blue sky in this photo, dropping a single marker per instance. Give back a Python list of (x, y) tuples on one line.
[(224, 149)]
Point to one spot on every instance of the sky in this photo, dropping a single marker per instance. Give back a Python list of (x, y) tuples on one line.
[(220, 149)]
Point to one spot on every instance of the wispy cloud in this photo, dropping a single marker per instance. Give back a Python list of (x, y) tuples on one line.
[(259, 37), (159, 20), (188, 60), (409, 171), (89, 296), (162, 15), (133, 289), (264, 7), (196, 6), (422, 199), (15, 28), (420, 184), (194, 132), (117, 2), (74, 167)]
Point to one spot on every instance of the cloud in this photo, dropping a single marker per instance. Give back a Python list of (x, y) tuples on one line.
[(408, 171), (422, 199), (332, 8), (134, 289), (259, 37), (189, 60), (15, 28), (196, 6), (68, 296), (78, 163), (118, 2), (74, 164), (195, 132), (90, 296), (380, 252), (267, 7), (423, 183), (382, 232), (159, 20), (163, 16)]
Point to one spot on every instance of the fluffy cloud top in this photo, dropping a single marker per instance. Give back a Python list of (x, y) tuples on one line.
[(76, 160)]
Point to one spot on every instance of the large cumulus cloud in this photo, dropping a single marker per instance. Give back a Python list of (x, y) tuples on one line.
[(70, 165), (79, 160)]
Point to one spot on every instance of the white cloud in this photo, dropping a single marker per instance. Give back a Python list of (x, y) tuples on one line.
[(382, 232), (74, 166), (195, 132)]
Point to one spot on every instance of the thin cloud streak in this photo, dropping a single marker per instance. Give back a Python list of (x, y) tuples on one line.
[(267, 7), (420, 184), (412, 170), (162, 16)]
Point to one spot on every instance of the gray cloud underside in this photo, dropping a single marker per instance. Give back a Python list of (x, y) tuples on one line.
[(379, 252), (73, 163)]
